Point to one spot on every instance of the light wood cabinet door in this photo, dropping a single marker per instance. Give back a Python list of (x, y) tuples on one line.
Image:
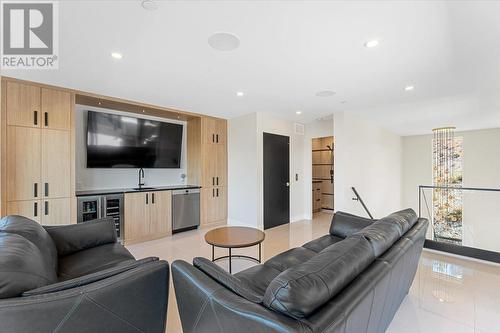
[(220, 131), (30, 209), (221, 165), (160, 213), (208, 206), (55, 211), (23, 105), (136, 216), (209, 128), (209, 165), (23, 163), (221, 203), (56, 109), (56, 164)]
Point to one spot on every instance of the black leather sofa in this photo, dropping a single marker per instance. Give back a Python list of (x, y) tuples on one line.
[(77, 278), (351, 280)]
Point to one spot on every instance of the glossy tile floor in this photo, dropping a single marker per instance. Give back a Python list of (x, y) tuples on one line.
[(448, 294)]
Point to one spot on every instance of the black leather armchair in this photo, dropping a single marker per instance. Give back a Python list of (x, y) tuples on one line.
[(77, 278)]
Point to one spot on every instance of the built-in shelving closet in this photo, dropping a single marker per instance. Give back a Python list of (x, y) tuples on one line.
[(322, 174)]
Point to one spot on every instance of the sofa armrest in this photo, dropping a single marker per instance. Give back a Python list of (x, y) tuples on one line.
[(72, 238), (345, 224), (207, 306), (135, 300)]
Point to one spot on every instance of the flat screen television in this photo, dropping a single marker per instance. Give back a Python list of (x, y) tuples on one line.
[(115, 141)]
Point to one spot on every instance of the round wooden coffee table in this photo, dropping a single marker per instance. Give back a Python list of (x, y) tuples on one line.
[(234, 237)]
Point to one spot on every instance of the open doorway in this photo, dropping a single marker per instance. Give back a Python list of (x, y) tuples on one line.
[(322, 174)]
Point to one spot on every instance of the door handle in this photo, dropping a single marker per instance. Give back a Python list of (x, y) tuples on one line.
[(35, 190), (287, 184), (46, 189), (147, 199), (153, 198), (46, 119), (35, 209), (46, 208), (35, 117)]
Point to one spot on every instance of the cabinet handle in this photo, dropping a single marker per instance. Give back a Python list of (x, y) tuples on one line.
[(35, 190), (35, 118), (147, 199), (213, 137), (46, 208), (217, 180), (217, 138), (213, 180), (46, 119), (213, 192), (217, 192), (35, 209), (46, 189), (153, 198)]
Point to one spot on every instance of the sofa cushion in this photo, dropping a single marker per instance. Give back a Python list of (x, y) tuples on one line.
[(345, 224), (405, 218), (35, 233), (258, 276), (290, 258), (300, 290), (227, 280), (92, 260), (90, 278), (77, 237), (386, 231), (22, 266), (318, 244)]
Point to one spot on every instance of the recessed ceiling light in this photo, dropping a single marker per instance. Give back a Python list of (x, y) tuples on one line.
[(116, 55), (149, 5), (240, 93), (343, 102), (325, 93), (409, 88), (224, 41), (371, 43), (298, 112)]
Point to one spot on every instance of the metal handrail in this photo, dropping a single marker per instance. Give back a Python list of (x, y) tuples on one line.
[(358, 198)]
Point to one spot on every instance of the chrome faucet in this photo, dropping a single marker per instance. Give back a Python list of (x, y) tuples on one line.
[(141, 177)]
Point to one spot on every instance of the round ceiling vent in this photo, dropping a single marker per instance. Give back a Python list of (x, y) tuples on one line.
[(149, 5), (325, 93), (224, 41)]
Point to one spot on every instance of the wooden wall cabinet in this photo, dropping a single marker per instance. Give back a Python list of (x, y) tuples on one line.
[(147, 216), (207, 166), (38, 171)]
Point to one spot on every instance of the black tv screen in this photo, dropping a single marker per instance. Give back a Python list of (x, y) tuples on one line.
[(115, 141)]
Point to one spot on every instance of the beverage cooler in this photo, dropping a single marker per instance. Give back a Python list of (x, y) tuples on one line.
[(100, 206)]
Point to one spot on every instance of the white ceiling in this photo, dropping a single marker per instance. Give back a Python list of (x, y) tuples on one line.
[(290, 50)]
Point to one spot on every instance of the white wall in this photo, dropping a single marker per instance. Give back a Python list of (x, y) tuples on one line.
[(87, 179), (481, 168), (368, 158), (242, 171)]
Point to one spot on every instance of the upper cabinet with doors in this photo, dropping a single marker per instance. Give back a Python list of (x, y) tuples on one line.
[(33, 106), (214, 130), (38, 170)]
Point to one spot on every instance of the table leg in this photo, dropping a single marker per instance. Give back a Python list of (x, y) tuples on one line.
[(260, 253), (230, 268)]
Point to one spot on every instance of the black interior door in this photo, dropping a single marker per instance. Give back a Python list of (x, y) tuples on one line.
[(276, 180)]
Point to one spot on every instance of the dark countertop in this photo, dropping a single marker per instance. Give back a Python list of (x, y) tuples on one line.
[(130, 190)]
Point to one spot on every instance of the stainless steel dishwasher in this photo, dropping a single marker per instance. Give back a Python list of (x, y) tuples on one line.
[(185, 209)]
